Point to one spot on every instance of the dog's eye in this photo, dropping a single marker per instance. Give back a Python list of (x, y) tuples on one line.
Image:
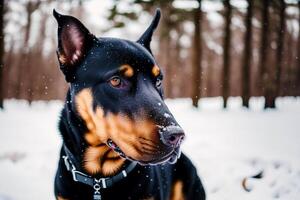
[(158, 83), (115, 81)]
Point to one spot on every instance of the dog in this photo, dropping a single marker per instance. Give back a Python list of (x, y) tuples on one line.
[(120, 140)]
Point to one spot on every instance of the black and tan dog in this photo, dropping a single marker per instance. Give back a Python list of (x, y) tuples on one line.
[(120, 141)]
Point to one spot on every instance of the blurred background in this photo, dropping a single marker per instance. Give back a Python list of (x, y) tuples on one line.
[(206, 48), (242, 55)]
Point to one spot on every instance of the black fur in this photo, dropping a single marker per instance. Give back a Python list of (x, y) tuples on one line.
[(97, 60)]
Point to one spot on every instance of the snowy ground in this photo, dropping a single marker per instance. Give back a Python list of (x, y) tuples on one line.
[(226, 146)]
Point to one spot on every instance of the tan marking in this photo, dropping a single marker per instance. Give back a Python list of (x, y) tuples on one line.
[(62, 58), (84, 103), (98, 157), (92, 157), (95, 158), (112, 155), (127, 70), (112, 166), (125, 133), (61, 198), (155, 70), (92, 139), (102, 160), (177, 191)]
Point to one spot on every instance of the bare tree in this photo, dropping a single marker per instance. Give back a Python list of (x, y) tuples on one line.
[(247, 56), (272, 82), (226, 53), (24, 60), (32, 75), (37, 53), (1, 51), (280, 48), (197, 53), (166, 42), (298, 51), (165, 46), (288, 71), (264, 44), (210, 72)]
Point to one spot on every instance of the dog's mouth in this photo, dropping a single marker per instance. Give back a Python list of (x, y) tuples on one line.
[(170, 157), (115, 147)]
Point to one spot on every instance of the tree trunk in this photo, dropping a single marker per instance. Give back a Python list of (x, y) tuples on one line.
[(298, 52), (196, 75), (178, 67), (288, 57), (226, 53), (247, 56), (168, 76), (210, 70), (37, 53), (264, 47), (272, 85), (25, 57), (165, 45), (7, 71), (280, 49), (1, 51)]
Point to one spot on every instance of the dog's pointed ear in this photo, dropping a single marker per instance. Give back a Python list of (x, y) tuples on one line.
[(74, 40), (145, 39)]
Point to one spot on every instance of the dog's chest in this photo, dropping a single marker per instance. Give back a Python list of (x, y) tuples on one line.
[(143, 183), (151, 182)]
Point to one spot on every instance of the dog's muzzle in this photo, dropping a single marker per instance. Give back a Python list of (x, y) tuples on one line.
[(171, 136)]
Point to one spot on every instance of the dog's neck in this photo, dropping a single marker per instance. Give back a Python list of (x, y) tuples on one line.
[(93, 156)]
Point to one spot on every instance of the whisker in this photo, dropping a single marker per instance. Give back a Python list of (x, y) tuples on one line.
[(150, 147), (143, 151), (147, 151), (150, 150), (148, 142), (147, 139)]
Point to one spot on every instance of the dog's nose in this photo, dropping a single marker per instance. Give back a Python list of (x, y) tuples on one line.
[(171, 135)]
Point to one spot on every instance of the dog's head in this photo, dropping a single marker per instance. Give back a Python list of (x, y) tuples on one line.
[(116, 89)]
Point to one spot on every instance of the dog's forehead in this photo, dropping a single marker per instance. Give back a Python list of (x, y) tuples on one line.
[(108, 55), (114, 52)]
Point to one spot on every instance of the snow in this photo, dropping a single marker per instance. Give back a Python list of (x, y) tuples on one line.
[(183, 4), (225, 145)]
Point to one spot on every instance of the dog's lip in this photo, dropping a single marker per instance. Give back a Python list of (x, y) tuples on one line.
[(171, 157), (115, 147)]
